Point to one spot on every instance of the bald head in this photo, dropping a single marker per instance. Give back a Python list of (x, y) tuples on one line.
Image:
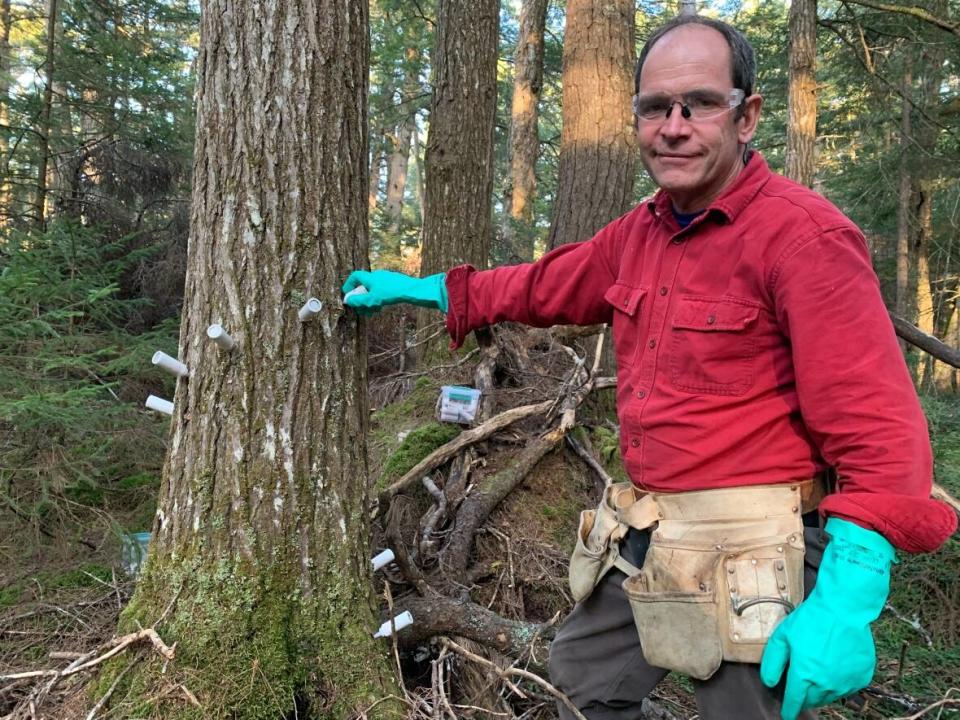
[(743, 64)]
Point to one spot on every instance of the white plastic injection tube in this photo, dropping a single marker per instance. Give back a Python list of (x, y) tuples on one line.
[(382, 559), (170, 364), (310, 310), (159, 404), (399, 622), (358, 290), (220, 337)]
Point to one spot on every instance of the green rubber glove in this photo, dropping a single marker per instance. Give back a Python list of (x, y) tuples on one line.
[(385, 287), (825, 644)]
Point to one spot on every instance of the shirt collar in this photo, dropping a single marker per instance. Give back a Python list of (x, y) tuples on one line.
[(733, 200)]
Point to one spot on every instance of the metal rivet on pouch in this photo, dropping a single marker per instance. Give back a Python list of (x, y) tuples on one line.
[(779, 549), (731, 570), (736, 636), (753, 562), (719, 547), (780, 565), (703, 588), (733, 591), (783, 587), (793, 509)]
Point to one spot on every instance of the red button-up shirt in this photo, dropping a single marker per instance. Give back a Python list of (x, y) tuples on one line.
[(752, 347)]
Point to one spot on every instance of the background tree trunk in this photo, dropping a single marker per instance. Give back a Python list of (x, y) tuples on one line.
[(44, 125), (5, 65), (801, 161), (524, 133), (459, 160), (905, 195), (597, 147), (261, 541)]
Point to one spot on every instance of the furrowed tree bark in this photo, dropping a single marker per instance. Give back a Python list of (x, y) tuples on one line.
[(524, 133), (459, 157), (597, 147), (261, 541), (802, 92)]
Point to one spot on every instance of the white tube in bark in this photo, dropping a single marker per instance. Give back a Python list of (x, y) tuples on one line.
[(401, 621), (383, 558), (170, 364), (310, 310), (159, 404), (220, 337)]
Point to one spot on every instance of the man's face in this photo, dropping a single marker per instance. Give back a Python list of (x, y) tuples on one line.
[(693, 159)]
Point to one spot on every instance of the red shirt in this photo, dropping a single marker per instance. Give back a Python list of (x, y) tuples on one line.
[(752, 347)]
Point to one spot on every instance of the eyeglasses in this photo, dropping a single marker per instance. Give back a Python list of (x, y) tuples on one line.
[(696, 105)]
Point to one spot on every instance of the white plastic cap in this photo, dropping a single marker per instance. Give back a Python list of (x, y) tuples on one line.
[(399, 622)]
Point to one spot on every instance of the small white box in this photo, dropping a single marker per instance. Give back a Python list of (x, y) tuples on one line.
[(458, 404)]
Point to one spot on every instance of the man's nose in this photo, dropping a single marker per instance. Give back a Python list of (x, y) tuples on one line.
[(675, 124)]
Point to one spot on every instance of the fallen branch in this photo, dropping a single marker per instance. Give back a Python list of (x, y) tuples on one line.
[(109, 650), (940, 493), (439, 456), (518, 672), (445, 616), (928, 343), (590, 460)]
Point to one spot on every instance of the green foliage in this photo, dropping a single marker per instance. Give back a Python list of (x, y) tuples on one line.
[(70, 372)]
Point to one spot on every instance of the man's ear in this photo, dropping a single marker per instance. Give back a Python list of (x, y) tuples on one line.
[(747, 123)]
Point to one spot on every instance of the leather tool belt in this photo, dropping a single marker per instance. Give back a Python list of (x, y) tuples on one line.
[(723, 567)]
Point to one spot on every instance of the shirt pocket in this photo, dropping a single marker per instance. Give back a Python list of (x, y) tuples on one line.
[(626, 301), (713, 345)]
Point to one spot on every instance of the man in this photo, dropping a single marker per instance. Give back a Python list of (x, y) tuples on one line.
[(753, 351)]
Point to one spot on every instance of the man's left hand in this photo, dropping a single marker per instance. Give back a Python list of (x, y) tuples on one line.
[(826, 645)]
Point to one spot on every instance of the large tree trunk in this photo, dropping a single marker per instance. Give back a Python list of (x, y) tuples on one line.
[(261, 542), (459, 159), (597, 147), (524, 133), (802, 93)]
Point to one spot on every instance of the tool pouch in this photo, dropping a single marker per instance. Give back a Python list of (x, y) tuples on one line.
[(598, 535), (723, 567)]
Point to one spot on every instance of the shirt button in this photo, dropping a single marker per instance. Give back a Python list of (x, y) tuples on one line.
[(663, 291), (635, 443), (711, 319), (641, 394), (652, 344)]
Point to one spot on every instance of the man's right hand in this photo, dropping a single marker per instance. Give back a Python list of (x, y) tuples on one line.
[(385, 287)]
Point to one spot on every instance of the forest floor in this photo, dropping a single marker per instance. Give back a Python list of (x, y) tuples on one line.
[(62, 584)]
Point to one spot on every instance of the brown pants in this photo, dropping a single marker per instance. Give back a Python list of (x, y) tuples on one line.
[(597, 661)]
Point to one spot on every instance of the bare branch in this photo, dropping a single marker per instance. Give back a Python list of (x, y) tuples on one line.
[(914, 11)]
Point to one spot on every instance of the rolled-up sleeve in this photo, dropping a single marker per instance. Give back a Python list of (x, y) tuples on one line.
[(856, 395)]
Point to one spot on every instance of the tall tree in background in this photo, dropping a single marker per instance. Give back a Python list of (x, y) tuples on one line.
[(5, 65), (597, 148), (261, 541), (457, 219), (402, 141), (46, 110), (802, 92), (905, 196), (524, 131)]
